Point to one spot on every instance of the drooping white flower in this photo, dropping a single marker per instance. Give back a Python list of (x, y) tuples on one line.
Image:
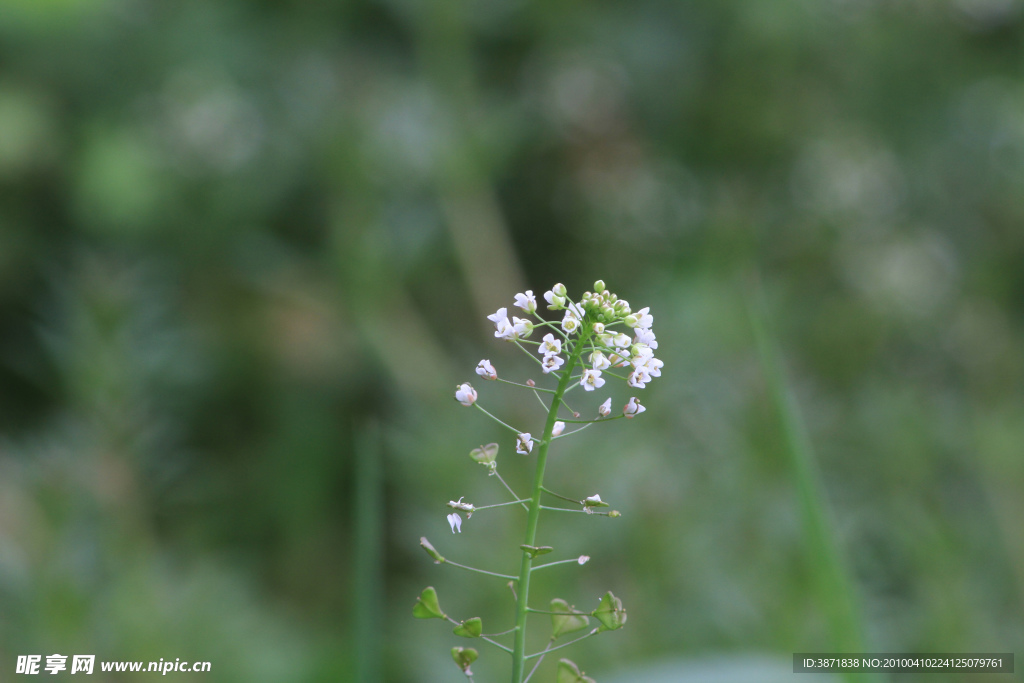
[(646, 337), (524, 443), (465, 394), (486, 370), (605, 409), (551, 363), (550, 346), (599, 361), (527, 301), (591, 379), (558, 428), (455, 520), (632, 408)]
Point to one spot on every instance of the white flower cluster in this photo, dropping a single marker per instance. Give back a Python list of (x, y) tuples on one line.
[(596, 317), (612, 348)]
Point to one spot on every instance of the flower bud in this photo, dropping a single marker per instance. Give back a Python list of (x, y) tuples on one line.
[(465, 394), (630, 320), (425, 544), (486, 370), (559, 289), (632, 408), (558, 428), (599, 286)]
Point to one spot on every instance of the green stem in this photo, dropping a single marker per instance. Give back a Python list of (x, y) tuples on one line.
[(522, 610)]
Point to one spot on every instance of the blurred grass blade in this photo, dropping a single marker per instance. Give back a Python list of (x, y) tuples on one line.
[(832, 583), (369, 529)]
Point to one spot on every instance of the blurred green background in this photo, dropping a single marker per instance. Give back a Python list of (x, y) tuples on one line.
[(247, 248)]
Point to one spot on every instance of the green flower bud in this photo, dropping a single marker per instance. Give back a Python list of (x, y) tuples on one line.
[(599, 286), (425, 544), (559, 289)]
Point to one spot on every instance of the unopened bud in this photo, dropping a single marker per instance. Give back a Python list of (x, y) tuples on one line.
[(559, 289), (599, 286), (530, 383), (425, 544)]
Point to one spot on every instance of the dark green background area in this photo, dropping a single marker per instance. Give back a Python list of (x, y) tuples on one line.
[(246, 254)]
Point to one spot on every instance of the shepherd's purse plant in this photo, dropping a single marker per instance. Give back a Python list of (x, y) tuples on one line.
[(599, 337)]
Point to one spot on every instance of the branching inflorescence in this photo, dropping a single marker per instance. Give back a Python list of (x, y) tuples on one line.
[(600, 336)]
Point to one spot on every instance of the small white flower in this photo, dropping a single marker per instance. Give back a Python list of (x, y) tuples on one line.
[(644, 319), (605, 409), (522, 328), (599, 361), (455, 521), (591, 380), (486, 370), (527, 301), (558, 428), (639, 378), (550, 346), (570, 323), (583, 559), (598, 328), (465, 394), (632, 408), (594, 500), (468, 508), (551, 363), (555, 302), (651, 365), (645, 337), (618, 359), (524, 444), (499, 316)]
